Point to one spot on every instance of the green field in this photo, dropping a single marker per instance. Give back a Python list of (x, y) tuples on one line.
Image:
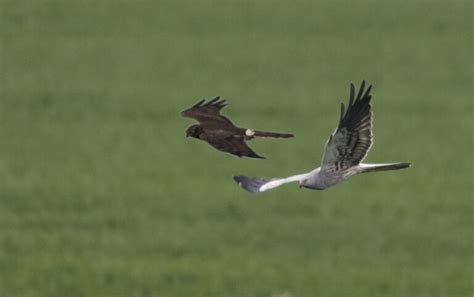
[(102, 195)]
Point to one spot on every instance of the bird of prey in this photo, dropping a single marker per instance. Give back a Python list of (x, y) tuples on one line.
[(220, 132), (345, 150)]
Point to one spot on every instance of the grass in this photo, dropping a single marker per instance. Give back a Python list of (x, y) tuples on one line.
[(102, 195)]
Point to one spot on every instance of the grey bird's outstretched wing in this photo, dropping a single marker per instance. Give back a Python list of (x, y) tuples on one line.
[(207, 112), (251, 184), (351, 141), (258, 184)]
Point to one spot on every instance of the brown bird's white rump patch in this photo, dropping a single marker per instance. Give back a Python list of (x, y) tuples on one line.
[(249, 132)]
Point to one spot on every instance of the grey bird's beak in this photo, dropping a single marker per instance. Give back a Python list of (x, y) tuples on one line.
[(302, 183)]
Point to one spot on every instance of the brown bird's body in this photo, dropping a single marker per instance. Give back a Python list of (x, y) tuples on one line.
[(220, 132)]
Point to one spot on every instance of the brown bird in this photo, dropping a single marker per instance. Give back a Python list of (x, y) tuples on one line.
[(220, 132)]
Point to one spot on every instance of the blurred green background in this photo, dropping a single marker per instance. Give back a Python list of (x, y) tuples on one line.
[(102, 195)]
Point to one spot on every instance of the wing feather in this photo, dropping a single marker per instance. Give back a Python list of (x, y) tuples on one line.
[(259, 184), (252, 184), (233, 145), (209, 111), (351, 141)]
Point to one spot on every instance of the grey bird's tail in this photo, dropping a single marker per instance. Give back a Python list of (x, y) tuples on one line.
[(383, 167), (257, 133)]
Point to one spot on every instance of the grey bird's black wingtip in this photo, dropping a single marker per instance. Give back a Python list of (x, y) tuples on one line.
[(251, 184), (247, 183)]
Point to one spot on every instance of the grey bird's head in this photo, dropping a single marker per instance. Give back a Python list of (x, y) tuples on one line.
[(302, 183), (193, 131), (308, 184)]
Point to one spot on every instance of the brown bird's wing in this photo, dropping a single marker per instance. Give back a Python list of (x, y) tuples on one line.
[(351, 141), (207, 112), (234, 145)]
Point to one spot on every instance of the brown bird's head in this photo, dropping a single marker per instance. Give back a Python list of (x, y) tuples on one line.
[(194, 131)]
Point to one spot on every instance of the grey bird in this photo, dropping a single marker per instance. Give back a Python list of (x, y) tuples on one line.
[(346, 148)]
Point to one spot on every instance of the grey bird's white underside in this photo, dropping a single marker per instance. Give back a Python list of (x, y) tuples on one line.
[(345, 149)]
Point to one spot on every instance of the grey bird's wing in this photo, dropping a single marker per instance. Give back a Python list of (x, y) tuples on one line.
[(351, 141), (259, 184), (251, 184)]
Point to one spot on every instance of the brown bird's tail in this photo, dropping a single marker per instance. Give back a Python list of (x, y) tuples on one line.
[(257, 133)]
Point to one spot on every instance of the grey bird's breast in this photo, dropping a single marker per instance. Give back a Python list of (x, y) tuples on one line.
[(320, 180)]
